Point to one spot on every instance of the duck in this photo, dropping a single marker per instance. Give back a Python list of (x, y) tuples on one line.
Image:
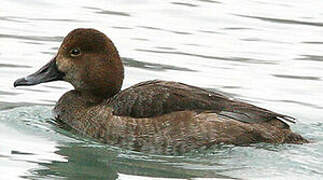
[(156, 116)]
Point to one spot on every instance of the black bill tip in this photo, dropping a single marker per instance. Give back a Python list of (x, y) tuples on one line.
[(21, 82)]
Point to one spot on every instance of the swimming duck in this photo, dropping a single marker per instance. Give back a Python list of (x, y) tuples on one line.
[(155, 116)]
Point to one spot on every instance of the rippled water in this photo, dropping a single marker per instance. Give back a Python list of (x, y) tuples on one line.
[(266, 52)]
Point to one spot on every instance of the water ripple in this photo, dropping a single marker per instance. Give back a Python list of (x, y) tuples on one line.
[(166, 30), (21, 153), (210, 32), (10, 105), (302, 103), (312, 42), (165, 48), (130, 62), (235, 59), (35, 38), (27, 19), (237, 28), (113, 13), (184, 4), (210, 1), (32, 90), (11, 19), (58, 20), (263, 40), (121, 27), (296, 77), (13, 66), (283, 21), (311, 58), (140, 39), (8, 93), (292, 102), (102, 11)]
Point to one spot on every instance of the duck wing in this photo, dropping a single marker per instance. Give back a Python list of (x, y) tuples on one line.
[(155, 98)]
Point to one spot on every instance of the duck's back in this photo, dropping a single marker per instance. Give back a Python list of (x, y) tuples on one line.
[(155, 98)]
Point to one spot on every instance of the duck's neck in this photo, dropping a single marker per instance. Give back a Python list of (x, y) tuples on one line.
[(76, 102), (94, 98), (90, 97), (77, 109), (100, 93)]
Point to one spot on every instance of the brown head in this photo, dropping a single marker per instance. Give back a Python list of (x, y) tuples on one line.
[(88, 60)]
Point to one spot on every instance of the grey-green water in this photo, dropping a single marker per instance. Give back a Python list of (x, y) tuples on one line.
[(266, 52)]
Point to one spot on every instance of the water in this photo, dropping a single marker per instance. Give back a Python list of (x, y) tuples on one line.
[(265, 52)]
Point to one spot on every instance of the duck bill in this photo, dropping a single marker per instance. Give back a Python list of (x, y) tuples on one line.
[(47, 73)]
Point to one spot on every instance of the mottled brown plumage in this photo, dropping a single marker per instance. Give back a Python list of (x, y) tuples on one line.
[(154, 116)]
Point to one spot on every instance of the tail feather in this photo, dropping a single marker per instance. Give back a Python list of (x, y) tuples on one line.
[(294, 138)]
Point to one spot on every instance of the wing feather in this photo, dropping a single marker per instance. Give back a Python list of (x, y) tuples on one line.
[(155, 98)]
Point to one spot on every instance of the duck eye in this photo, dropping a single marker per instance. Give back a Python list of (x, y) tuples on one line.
[(75, 52)]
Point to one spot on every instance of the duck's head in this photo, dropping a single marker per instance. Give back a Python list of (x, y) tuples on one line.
[(88, 60)]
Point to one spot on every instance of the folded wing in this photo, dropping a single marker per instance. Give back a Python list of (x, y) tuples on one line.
[(155, 98)]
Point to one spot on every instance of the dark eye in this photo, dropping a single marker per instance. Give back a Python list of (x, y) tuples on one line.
[(75, 52)]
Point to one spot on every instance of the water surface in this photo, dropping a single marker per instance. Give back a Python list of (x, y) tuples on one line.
[(268, 53)]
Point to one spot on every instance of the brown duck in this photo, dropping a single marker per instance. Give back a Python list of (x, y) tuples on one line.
[(154, 116)]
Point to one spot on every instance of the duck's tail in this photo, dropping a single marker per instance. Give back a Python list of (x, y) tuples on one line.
[(294, 138)]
